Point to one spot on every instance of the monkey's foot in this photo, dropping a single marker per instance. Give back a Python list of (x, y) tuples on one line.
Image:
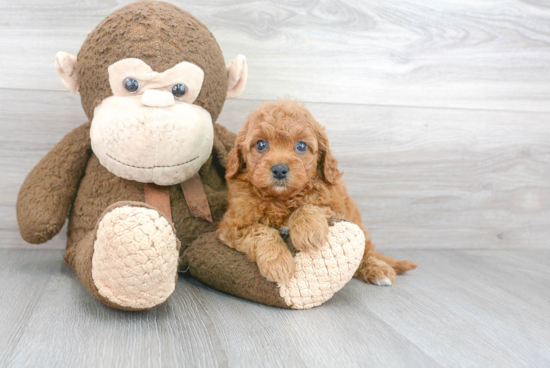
[(135, 258), (319, 275)]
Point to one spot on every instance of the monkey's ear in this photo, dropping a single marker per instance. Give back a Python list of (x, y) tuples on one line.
[(237, 71), (65, 65)]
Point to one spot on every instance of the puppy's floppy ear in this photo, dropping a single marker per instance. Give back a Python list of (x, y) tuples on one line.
[(328, 165), (235, 160)]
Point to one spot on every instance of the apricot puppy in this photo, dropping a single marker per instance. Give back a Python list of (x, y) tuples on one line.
[(283, 177)]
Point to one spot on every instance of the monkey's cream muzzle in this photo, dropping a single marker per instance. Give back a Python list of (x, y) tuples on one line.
[(161, 145)]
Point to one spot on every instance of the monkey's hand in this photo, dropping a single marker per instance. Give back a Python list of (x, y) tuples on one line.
[(50, 188)]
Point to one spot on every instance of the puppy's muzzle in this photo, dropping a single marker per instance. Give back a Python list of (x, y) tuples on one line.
[(279, 171)]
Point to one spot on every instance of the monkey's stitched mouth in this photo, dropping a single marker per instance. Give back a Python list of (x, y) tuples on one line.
[(150, 167)]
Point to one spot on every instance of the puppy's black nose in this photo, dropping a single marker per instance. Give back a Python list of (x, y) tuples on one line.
[(279, 171)]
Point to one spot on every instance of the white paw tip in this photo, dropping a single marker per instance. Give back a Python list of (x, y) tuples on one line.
[(383, 282)]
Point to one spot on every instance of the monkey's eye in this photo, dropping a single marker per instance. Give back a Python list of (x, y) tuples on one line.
[(261, 145), (301, 147), (179, 90), (131, 85)]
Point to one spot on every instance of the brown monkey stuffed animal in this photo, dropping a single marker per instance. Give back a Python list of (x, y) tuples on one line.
[(142, 182)]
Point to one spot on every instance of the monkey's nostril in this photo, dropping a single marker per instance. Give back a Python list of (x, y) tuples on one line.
[(279, 171)]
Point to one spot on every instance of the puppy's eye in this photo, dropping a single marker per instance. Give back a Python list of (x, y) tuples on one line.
[(131, 85), (301, 147), (261, 146), (179, 90)]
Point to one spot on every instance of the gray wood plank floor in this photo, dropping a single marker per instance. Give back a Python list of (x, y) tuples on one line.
[(487, 308)]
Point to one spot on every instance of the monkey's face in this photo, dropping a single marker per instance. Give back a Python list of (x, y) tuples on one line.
[(150, 130)]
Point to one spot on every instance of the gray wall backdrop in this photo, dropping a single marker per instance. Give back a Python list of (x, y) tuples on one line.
[(439, 114)]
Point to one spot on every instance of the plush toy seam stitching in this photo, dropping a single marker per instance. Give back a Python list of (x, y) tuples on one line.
[(149, 167)]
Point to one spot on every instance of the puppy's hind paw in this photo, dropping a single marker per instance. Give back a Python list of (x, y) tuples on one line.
[(377, 272), (383, 282)]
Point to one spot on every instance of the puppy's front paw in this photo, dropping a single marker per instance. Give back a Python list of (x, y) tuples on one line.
[(279, 267), (308, 234)]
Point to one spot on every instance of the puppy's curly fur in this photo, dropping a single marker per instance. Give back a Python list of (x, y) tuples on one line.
[(275, 184)]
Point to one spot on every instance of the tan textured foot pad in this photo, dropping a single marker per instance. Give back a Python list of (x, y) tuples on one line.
[(319, 276), (135, 258)]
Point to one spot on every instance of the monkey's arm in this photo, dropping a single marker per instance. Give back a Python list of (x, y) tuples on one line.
[(50, 188)]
